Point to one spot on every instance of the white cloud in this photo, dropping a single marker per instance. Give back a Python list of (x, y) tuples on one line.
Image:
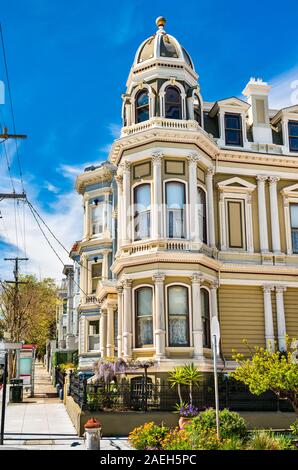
[(51, 187), (63, 216), (284, 90), (115, 130)]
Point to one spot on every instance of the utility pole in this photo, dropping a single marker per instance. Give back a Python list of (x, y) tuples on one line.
[(16, 283), (6, 135)]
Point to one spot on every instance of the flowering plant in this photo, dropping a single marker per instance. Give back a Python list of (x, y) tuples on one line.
[(188, 411)]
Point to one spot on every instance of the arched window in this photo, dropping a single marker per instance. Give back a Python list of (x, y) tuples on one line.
[(178, 315), (205, 312), (142, 201), (144, 324), (173, 108), (202, 219), (197, 110), (142, 106), (175, 200)]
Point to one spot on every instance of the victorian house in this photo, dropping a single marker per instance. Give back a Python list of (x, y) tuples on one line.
[(193, 215)]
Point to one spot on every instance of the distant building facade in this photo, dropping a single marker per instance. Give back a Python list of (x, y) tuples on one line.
[(194, 215)]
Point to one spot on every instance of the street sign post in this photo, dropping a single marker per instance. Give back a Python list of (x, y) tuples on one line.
[(215, 333)]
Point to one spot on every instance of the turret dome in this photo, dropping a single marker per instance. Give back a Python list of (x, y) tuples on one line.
[(162, 46)]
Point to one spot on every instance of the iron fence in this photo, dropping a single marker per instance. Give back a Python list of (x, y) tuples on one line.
[(60, 377), (141, 396)]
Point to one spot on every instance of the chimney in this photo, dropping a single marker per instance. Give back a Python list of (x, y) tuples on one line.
[(257, 92)]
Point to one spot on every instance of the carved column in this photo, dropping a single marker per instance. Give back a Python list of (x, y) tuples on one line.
[(105, 264), (210, 206), (197, 316), (269, 328), (160, 324), (103, 333), (127, 319), (157, 231), (110, 332), (119, 180), (120, 320), (262, 214), (126, 205), (275, 227), (193, 215), (281, 319)]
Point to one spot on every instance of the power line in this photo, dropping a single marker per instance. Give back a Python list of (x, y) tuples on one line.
[(50, 244), (11, 104)]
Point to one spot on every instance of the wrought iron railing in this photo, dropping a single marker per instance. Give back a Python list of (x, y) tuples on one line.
[(135, 395)]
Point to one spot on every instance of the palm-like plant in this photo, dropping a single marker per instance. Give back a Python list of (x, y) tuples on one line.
[(192, 377), (176, 379)]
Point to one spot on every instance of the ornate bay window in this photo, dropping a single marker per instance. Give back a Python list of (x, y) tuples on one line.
[(97, 217), (173, 107), (143, 315), (142, 211), (142, 106), (178, 315), (175, 212), (93, 335), (205, 312), (96, 275), (202, 214)]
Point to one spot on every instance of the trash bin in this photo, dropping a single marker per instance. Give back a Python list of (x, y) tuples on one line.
[(16, 390)]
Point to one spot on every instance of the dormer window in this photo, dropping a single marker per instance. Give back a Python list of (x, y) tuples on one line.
[(142, 106), (233, 130), (173, 108), (293, 136)]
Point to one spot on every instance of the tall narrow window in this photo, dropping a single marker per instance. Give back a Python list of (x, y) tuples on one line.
[(178, 316), (96, 274), (175, 200), (236, 227), (98, 219), (197, 110), (233, 129), (93, 335), (173, 109), (142, 201), (205, 312), (142, 106), (294, 227), (201, 202), (144, 324), (293, 136)]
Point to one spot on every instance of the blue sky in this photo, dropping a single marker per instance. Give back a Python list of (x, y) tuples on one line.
[(69, 61)]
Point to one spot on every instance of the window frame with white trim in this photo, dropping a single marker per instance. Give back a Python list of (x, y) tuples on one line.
[(188, 323), (241, 195)]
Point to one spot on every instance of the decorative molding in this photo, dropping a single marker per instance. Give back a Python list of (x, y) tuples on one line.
[(261, 178), (267, 288), (157, 157), (273, 180), (158, 277)]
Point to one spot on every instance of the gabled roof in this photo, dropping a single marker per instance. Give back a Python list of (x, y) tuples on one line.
[(292, 110), (236, 184), (233, 104)]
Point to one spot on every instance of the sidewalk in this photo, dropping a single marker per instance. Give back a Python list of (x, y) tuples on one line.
[(42, 423)]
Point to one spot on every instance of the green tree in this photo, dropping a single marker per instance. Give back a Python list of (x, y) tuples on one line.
[(270, 370), (33, 321)]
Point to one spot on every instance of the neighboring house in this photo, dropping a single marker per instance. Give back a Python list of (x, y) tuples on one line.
[(194, 215)]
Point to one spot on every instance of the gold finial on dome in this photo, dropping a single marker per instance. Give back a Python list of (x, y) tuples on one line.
[(160, 21)]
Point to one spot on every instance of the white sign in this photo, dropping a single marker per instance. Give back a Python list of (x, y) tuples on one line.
[(215, 330), (5, 346)]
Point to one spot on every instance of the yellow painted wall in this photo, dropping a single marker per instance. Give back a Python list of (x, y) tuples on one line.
[(291, 311), (241, 317)]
